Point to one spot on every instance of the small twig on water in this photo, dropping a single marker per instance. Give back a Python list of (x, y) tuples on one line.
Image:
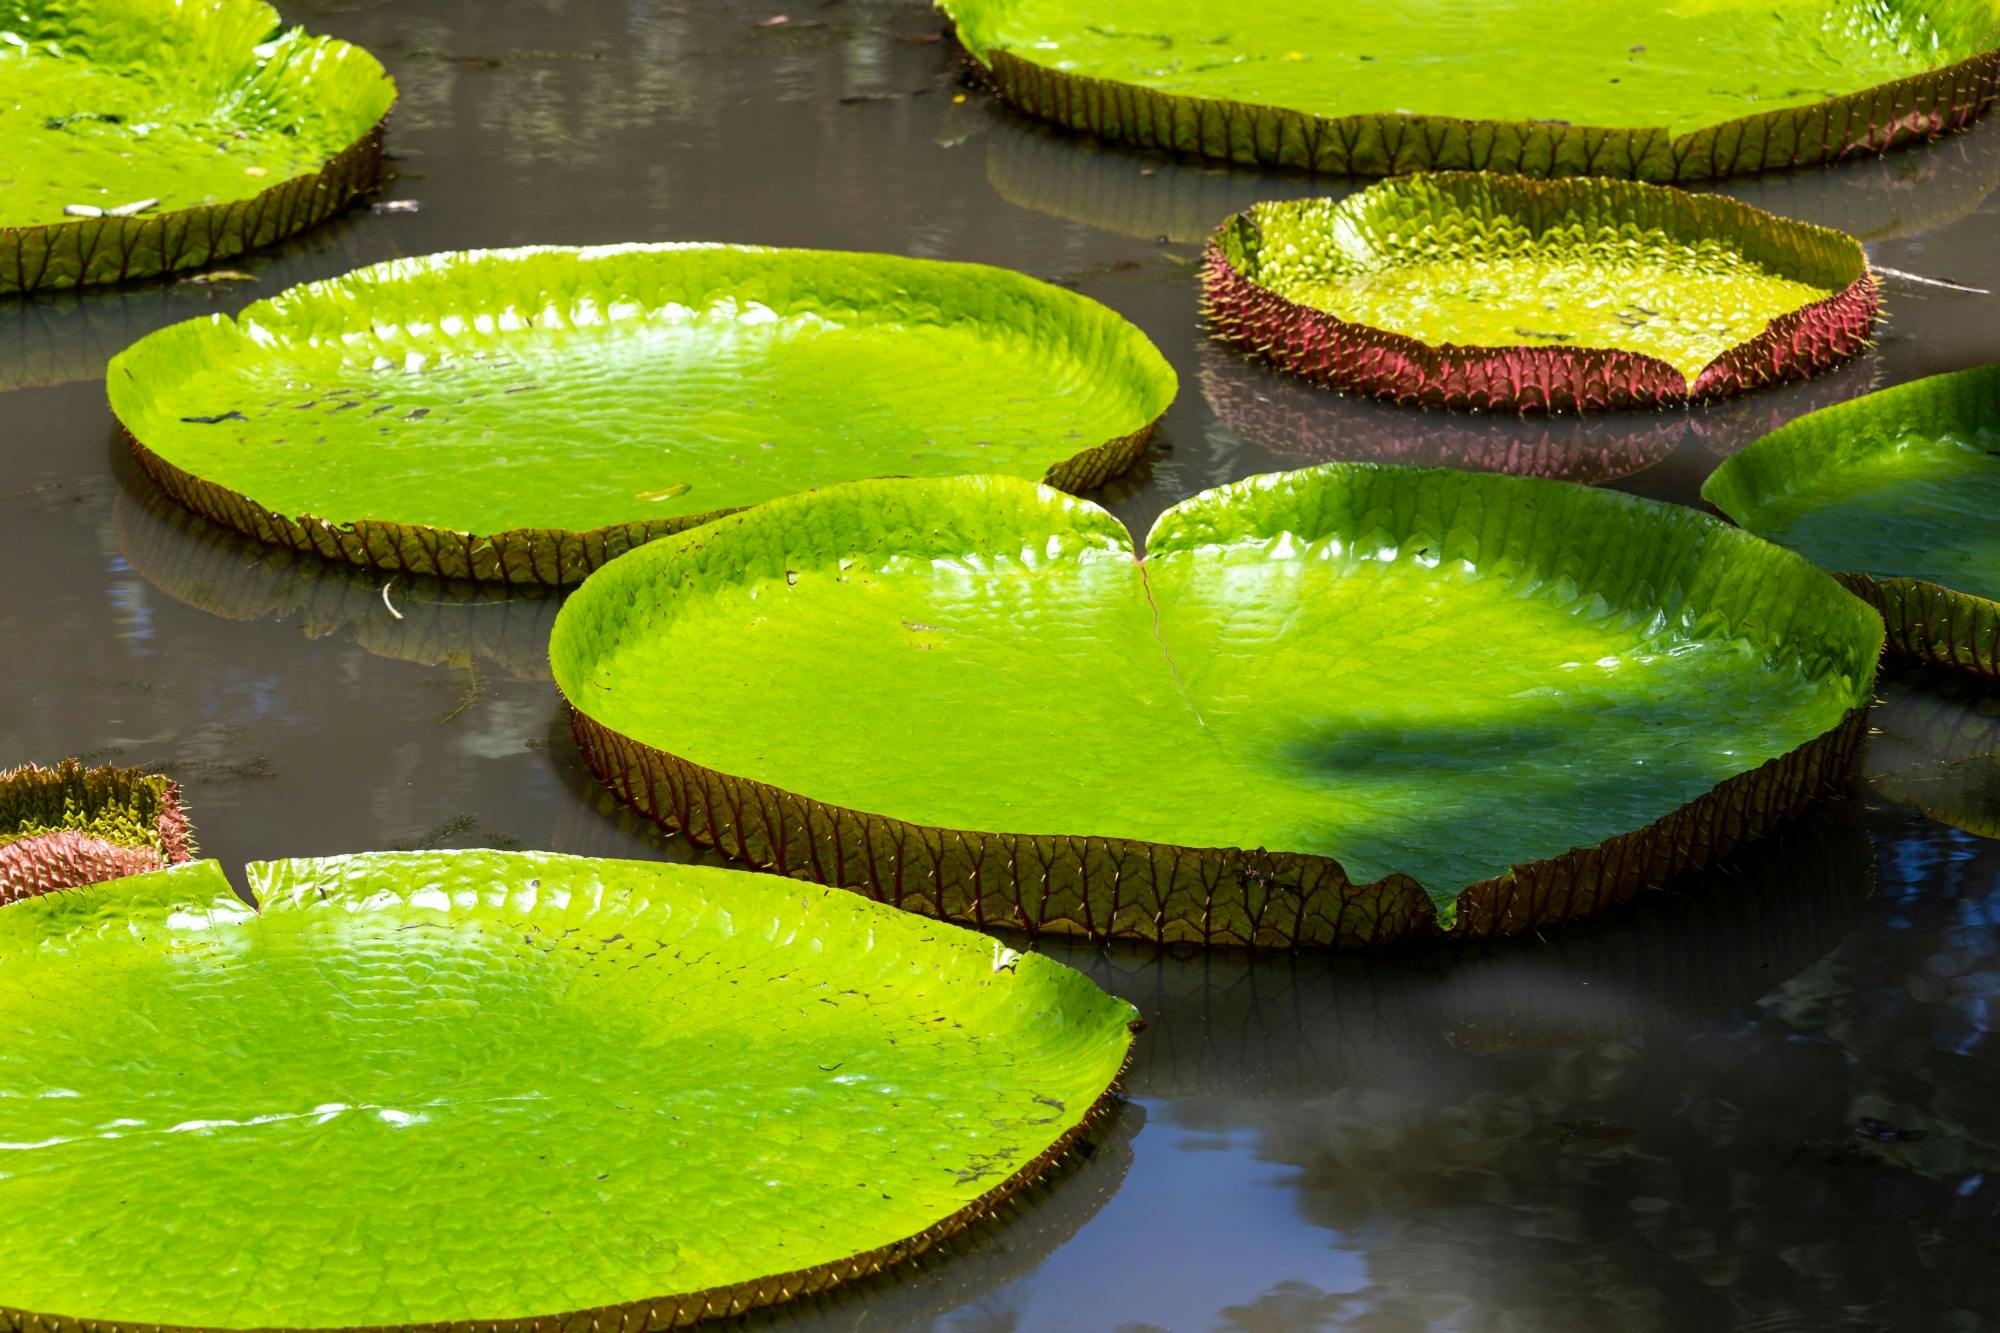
[(1929, 282), (386, 602)]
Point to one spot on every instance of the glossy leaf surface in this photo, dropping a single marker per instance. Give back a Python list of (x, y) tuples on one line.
[(1476, 290), (1409, 671), (487, 1086), (157, 114), (1654, 90), (1900, 488), (459, 403)]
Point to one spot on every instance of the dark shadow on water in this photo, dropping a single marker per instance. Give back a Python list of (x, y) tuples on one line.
[(1299, 1025), (1935, 745)]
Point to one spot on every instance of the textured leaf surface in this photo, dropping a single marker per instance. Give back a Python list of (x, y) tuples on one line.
[(427, 412), (1655, 90), (70, 825), (1474, 290), (1412, 672), (208, 109), (1898, 487), (483, 1086)]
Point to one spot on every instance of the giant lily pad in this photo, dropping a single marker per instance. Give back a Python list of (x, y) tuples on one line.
[(144, 136), (70, 825), (525, 415), (1897, 491), (1472, 290), (1655, 91), (474, 1088), (1341, 706)]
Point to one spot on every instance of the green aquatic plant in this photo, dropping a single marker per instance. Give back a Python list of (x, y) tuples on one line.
[(468, 1089), (144, 136), (1469, 290), (1656, 90), (1342, 706), (1895, 491), (525, 415), (70, 825)]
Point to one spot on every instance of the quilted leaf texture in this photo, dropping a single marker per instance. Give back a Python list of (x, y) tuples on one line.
[(1386, 89), (70, 825), (1343, 706), (1468, 290), (514, 1091), (1895, 491), (525, 415), (149, 136)]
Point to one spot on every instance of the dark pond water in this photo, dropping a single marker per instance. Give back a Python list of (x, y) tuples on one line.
[(1769, 1103)]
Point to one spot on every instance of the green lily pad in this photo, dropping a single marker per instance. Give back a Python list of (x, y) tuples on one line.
[(525, 415), (1655, 91), (145, 136), (70, 825), (1474, 290), (1896, 490), (1340, 706), (477, 1087)]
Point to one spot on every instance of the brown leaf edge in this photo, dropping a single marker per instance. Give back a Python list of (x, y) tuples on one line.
[(1360, 358), (1871, 120), (547, 557), (1933, 623), (69, 858), (685, 1310), (98, 250), (1114, 888)]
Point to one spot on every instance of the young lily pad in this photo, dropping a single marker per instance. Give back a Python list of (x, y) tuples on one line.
[(1342, 706), (1654, 91), (70, 825), (1480, 291), (478, 1087), (1896, 490), (525, 415), (145, 136)]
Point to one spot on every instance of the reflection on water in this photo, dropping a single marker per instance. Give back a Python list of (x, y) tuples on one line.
[(432, 622), (1768, 1103), (1937, 746), (1299, 423)]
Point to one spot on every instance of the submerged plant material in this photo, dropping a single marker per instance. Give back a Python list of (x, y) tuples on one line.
[(1336, 707), (145, 136), (1896, 491), (70, 825), (459, 1089), (526, 415), (1652, 90), (1468, 290)]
